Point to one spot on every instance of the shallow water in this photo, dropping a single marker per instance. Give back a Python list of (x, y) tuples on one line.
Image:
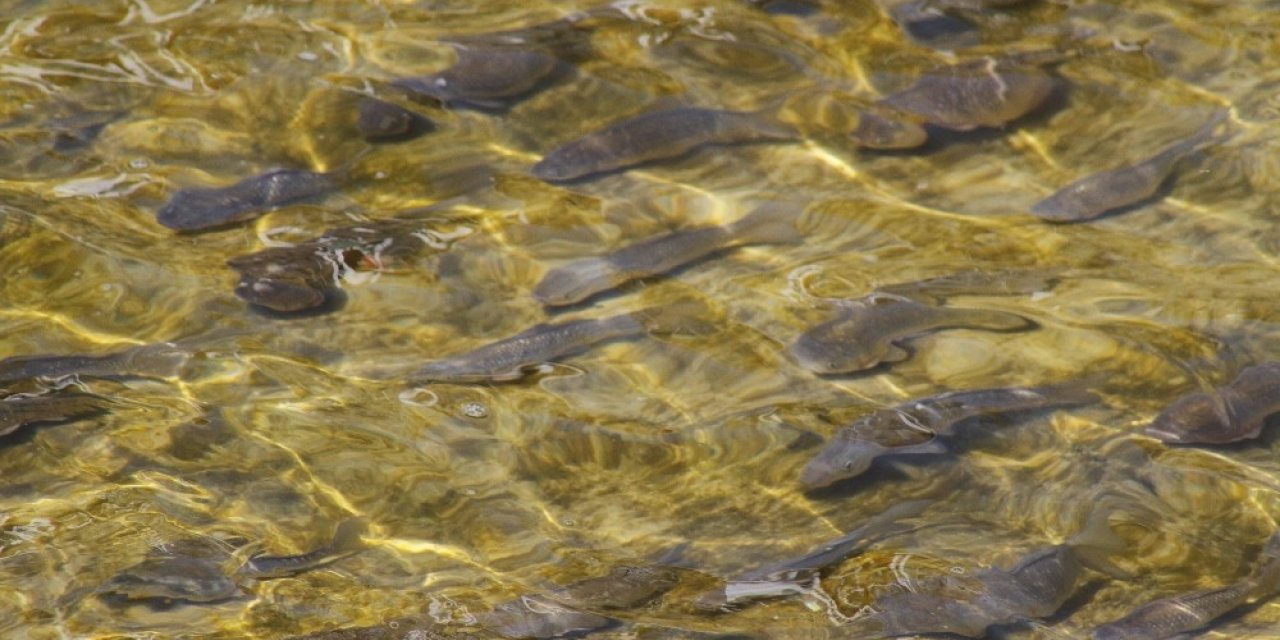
[(283, 425)]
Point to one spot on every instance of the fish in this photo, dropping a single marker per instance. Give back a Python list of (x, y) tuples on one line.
[(510, 358), (1233, 413), (865, 332), (346, 541), (1100, 193), (656, 135), (626, 587), (986, 92), (538, 617), (380, 121), (880, 129), (168, 577), (1173, 616), (791, 577), (202, 208), (163, 360), (582, 279), (18, 412), (917, 427), (487, 78)]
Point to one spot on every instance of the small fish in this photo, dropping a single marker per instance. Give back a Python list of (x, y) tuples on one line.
[(163, 360), (865, 331), (657, 135), (538, 617), (917, 426), (790, 577), (987, 92), (198, 208), (488, 78), (1235, 412), (509, 358), (577, 281), (18, 412), (380, 121), (625, 587), (172, 578), (1171, 617), (346, 541), (879, 129), (1094, 195)]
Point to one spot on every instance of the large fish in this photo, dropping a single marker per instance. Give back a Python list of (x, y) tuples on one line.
[(790, 577), (158, 360), (18, 412), (511, 358), (1096, 194), (185, 571), (488, 78), (577, 281), (657, 135), (1171, 617), (200, 208), (987, 92), (866, 331), (917, 427), (1235, 412)]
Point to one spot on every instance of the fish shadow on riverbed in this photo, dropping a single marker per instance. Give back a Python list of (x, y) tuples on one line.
[(335, 299)]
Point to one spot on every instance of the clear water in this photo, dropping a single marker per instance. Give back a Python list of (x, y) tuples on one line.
[(281, 427)]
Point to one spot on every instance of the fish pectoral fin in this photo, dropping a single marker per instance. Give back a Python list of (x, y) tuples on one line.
[(895, 353)]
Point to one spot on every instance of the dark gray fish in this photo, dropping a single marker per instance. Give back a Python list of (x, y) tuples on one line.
[(488, 78), (1094, 195), (1035, 587), (163, 360), (1173, 616), (987, 92), (626, 587), (510, 358), (917, 426), (198, 208), (1235, 412), (657, 135), (380, 121), (538, 617), (19, 412), (346, 541), (880, 128), (790, 577), (866, 330), (168, 577), (577, 281)]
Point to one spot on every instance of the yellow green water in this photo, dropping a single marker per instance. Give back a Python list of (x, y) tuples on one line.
[(632, 448)]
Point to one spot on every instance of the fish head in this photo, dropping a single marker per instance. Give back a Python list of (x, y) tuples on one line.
[(280, 294), (815, 352), (1197, 418), (838, 460), (574, 282)]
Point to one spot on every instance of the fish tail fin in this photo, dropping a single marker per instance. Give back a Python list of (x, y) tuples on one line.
[(681, 318), (1097, 542), (992, 320), (769, 223), (348, 535)]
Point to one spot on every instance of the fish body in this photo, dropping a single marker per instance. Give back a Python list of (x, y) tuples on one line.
[(161, 360), (582, 279), (538, 617), (625, 587), (168, 577), (865, 331), (1035, 587), (16, 413), (508, 359), (1099, 193), (346, 541), (792, 576), (380, 121), (915, 427), (1235, 412), (199, 208), (987, 92), (879, 129), (657, 135), (487, 78)]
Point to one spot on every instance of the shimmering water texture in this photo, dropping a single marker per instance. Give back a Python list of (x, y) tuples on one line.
[(645, 319)]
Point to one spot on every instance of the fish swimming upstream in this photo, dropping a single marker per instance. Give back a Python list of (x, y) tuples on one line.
[(1235, 412), (917, 427), (574, 282)]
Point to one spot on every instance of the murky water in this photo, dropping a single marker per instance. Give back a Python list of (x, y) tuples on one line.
[(680, 448)]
